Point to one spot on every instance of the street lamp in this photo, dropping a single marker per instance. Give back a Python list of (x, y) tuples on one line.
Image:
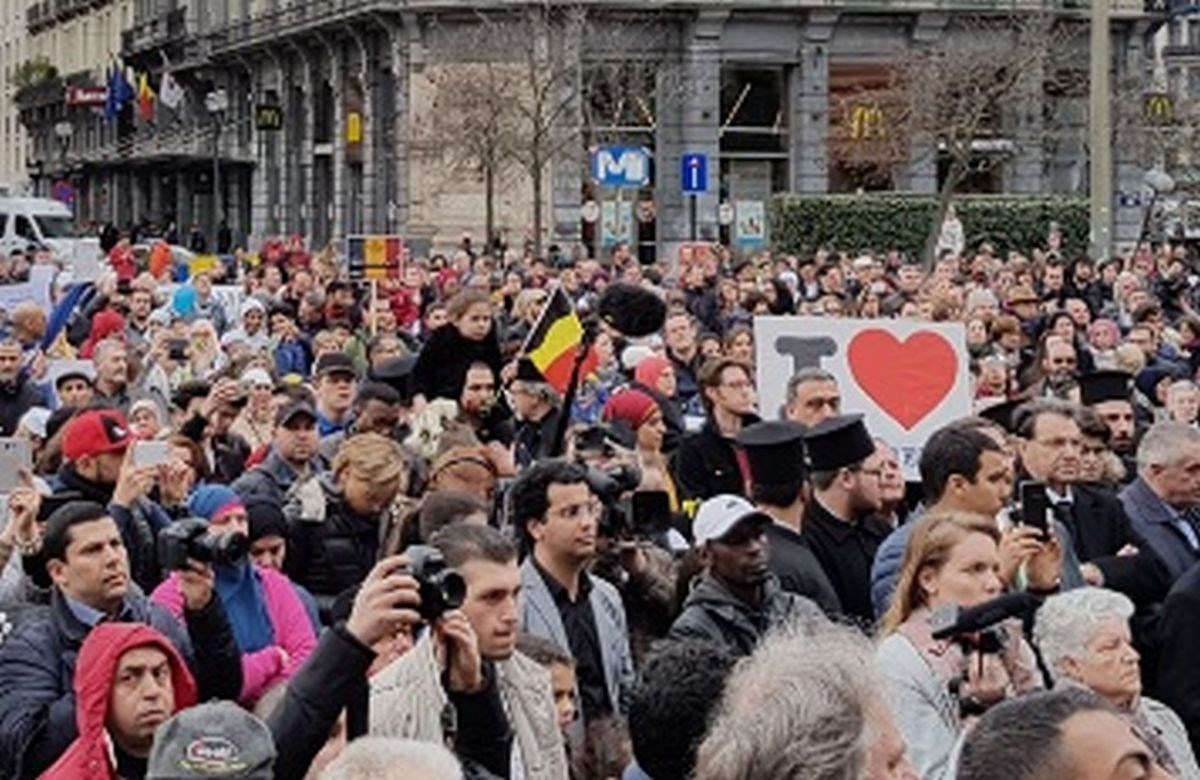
[(217, 103), (1159, 183)]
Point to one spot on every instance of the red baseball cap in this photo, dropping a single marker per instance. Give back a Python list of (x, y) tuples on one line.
[(95, 432)]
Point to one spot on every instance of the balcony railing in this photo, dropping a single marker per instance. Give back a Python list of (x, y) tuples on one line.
[(156, 31)]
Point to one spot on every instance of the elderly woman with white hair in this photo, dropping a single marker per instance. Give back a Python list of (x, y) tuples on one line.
[(1085, 641)]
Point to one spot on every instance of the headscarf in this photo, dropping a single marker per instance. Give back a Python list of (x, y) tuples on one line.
[(237, 586), (105, 323), (631, 406), (650, 369)]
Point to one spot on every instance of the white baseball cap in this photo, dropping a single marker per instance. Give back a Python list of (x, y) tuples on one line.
[(720, 514)]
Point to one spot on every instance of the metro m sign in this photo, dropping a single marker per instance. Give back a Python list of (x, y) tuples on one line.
[(621, 166)]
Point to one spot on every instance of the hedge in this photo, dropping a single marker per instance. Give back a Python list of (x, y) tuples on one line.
[(800, 224)]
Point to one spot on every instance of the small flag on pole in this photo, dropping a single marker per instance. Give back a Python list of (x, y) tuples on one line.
[(555, 340)]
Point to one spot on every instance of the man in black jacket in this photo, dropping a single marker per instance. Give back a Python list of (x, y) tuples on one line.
[(536, 406), (87, 562), (841, 524), (776, 454), (709, 462), (17, 393)]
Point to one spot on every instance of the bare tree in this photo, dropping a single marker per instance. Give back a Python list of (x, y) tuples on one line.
[(962, 100), (541, 82), (473, 123)]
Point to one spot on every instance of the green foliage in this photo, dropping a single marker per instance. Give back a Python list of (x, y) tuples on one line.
[(31, 73), (800, 224)]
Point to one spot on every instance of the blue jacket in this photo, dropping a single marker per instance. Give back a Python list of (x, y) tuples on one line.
[(292, 357), (1154, 521), (37, 670), (885, 570)]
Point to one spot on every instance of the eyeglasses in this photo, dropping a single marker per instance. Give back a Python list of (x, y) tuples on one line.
[(739, 385)]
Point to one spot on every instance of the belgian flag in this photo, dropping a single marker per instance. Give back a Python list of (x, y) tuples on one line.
[(555, 341)]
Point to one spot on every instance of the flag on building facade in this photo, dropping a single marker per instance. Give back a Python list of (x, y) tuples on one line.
[(145, 97), (554, 343), (170, 93), (120, 93)]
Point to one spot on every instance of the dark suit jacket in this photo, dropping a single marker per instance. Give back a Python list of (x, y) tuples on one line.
[(1152, 519), (1100, 528), (1179, 636)]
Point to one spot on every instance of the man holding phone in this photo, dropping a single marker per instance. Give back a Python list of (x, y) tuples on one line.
[(1050, 445)]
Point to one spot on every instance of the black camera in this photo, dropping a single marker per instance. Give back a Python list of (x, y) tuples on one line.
[(442, 588), (610, 485), (189, 538)]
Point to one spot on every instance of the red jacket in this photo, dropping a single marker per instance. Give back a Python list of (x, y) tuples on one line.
[(89, 757)]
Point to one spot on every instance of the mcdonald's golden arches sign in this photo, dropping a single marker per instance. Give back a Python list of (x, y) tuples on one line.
[(1159, 108), (867, 122)]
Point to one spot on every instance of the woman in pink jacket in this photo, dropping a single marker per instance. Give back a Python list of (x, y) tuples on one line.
[(269, 621)]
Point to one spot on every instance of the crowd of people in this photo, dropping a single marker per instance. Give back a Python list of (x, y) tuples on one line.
[(364, 531)]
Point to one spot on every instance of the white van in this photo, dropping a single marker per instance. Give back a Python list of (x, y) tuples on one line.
[(25, 221)]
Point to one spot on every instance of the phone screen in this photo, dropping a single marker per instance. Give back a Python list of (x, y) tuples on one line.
[(14, 456), (1035, 506), (151, 453), (651, 512)]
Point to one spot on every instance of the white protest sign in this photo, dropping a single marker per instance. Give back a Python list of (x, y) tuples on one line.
[(37, 289), (907, 378)]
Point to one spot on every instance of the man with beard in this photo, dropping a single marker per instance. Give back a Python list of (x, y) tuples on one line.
[(840, 524), (17, 394), (292, 456), (478, 408), (407, 697), (737, 599), (1108, 394)]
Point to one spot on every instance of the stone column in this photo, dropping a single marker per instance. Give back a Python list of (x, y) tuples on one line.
[(407, 52), (809, 90), (920, 175), (564, 190), (692, 127), (1026, 172)]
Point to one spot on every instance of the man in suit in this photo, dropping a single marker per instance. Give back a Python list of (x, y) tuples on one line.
[(1049, 442), (1162, 503), (558, 516)]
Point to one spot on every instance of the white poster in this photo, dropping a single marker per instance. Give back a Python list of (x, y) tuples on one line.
[(616, 223), (751, 223), (907, 378)]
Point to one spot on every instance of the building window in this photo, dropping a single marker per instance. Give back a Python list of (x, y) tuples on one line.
[(753, 111)]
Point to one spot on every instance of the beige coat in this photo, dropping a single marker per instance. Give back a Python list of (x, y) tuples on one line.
[(407, 701)]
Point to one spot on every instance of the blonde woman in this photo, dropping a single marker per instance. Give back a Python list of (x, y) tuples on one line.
[(952, 561)]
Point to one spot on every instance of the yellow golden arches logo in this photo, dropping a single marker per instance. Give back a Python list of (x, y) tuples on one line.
[(1159, 108), (867, 122)]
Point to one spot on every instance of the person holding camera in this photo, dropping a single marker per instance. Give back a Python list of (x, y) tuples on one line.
[(558, 516), (408, 696), (269, 621), (936, 686), (86, 559)]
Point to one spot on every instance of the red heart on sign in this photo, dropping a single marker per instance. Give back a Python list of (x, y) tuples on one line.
[(907, 379)]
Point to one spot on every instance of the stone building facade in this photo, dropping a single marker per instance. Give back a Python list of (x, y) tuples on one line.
[(330, 126)]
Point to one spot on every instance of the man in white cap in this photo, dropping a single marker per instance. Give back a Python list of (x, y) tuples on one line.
[(737, 599)]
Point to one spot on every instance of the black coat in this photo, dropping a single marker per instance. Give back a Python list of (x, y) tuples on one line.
[(798, 570), (1179, 636), (334, 553), (846, 551), (533, 441), (37, 672), (16, 399), (1100, 528), (706, 464), (442, 365)]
